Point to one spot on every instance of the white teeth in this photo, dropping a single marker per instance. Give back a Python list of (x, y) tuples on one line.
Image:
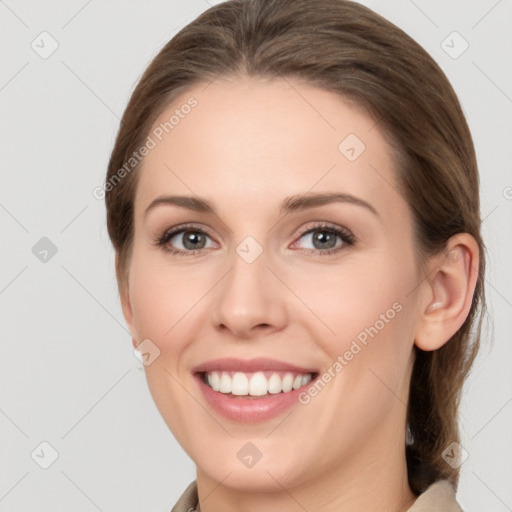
[(214, 381), (287, 382), (274, 384), (305, 379), (239, 384), (297, 383), (256, 384), (225, 383)]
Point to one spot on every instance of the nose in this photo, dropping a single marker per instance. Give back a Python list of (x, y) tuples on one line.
[(249, 301)]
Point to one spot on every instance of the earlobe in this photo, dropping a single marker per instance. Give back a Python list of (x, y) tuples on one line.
[(449, 292)]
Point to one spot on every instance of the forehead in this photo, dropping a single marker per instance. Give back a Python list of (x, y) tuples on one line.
[(256, 141)]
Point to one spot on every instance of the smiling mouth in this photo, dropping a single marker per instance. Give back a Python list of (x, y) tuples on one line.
[(255, 384)]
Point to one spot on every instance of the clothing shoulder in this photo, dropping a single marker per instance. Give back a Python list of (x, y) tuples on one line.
[(188, 500), (439, 497)]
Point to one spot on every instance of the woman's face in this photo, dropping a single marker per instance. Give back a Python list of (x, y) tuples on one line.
[(267, 290)]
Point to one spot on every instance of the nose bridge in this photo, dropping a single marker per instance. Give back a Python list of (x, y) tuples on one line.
[(248, 297)]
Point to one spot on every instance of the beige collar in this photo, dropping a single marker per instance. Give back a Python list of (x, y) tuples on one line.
[(439, 496)]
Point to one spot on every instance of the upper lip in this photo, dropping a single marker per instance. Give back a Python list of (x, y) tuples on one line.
[(249, 365)]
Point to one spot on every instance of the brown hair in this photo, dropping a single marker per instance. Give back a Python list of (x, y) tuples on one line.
[(344, 47)]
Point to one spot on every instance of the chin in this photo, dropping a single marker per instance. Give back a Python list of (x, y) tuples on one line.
[(259, 478)]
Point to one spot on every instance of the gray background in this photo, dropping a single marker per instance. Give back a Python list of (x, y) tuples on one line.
[(67, 373)]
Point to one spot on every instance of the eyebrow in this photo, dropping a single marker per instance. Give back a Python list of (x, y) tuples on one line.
[(290, 204)]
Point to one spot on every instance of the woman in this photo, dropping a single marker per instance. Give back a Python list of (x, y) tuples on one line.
[(293, 202)]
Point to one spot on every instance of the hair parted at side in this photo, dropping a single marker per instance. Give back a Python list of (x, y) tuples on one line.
[(343, 47)]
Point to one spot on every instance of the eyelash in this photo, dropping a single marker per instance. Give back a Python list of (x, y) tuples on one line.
[(346, 236)]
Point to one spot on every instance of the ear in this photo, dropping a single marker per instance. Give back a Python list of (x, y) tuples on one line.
[(448, 292), (126, 306)]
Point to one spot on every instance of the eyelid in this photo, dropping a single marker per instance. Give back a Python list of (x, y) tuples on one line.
[(327, 226), (187, 226)]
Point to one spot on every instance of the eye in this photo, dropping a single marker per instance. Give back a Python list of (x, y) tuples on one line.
[(326, 239), (187, 240)]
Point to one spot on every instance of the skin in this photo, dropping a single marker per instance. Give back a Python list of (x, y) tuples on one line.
[(246, 146)]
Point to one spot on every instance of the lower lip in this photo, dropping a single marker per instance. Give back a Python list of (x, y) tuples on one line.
[(250, 410)]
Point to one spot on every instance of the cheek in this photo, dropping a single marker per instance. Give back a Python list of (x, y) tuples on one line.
[(350, 300), (162, 302), (162, 297), (365, 326)]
